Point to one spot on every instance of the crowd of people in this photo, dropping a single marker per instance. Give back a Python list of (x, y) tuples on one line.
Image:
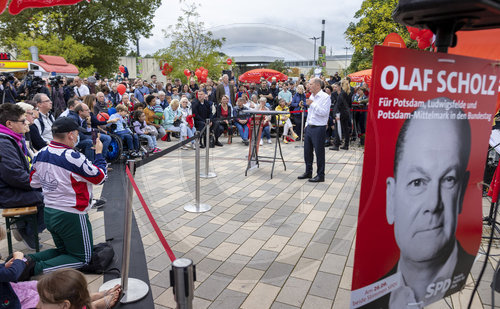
[(174, 108), (53, 152)]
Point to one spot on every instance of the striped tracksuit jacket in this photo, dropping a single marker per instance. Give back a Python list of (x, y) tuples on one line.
[(66, 178)]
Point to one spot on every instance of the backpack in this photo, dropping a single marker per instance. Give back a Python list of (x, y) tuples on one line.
[(102, 257)]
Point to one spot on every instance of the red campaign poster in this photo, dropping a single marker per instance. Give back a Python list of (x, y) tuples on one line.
[(420, 216)]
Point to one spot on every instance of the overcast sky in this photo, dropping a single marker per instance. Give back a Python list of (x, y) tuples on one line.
[(264, 27)]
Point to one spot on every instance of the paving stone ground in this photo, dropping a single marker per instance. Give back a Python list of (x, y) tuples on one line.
[(266, 243)]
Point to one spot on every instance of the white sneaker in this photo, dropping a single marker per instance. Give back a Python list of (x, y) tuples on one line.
[(261, 142), (269, 141)]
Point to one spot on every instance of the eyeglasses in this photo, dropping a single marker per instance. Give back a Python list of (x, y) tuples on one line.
[(49, 100), (20, 120)]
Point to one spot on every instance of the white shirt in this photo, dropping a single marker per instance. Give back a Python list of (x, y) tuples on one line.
[(82, 90), (319, 110), (65, 113), (47, 127)]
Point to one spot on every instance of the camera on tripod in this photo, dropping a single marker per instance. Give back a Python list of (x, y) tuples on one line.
[(7, 77), (33, 83), (56, 81)]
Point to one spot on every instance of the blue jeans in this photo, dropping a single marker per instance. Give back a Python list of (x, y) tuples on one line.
[(243, 129), (151, 140), (266, 131), (86, 147), (131, 139), (190, 131)]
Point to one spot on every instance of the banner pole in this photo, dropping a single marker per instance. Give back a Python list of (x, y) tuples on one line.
[(197, 206), (133, 289), (301, 131)]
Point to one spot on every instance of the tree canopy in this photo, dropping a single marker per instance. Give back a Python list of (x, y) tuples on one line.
[(106, 26), (192, 46), (279, 65), (375, 23)]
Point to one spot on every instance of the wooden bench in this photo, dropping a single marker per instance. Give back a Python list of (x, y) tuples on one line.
[(13, 215)]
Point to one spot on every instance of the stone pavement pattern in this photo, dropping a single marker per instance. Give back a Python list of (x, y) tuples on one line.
[(266, 243)]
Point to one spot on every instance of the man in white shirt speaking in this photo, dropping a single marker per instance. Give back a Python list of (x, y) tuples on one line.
[(317, 118)]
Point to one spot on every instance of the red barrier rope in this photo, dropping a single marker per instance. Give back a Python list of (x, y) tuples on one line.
[(352, 110), (151, 219)]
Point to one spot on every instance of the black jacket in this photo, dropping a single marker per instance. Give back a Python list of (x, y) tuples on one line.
[(15, 188), (201, 112), (36, 139)]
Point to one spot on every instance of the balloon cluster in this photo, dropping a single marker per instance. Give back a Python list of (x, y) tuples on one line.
[(122, 69), (424, 37), (201, 73), (167, 69)]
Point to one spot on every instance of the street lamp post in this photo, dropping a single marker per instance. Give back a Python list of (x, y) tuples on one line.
[(315, 39), (345, 70)]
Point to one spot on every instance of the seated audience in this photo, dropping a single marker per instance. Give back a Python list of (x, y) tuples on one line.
[(122, 130), (284, 120), (187, 119), (266, 128), (142, 130), (15, 167), (241, 121)]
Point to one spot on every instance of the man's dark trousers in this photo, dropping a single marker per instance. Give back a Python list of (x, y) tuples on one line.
[(315, 140)]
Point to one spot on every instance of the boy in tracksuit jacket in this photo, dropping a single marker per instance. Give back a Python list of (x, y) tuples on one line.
[(66, 178)]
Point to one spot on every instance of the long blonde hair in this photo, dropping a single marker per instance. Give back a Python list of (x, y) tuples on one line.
[(345, 86)]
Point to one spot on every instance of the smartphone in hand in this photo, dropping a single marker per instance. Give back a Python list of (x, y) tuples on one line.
[(94, 136)]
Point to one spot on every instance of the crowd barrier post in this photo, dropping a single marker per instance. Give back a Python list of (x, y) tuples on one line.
[(197, 206), (133, 289), (302, 130), (182, 278), (207, 174)]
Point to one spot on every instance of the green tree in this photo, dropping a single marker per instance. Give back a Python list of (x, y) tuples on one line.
[(68, 48), (192, 46), (279, 65), (375, 23), (105, 25)]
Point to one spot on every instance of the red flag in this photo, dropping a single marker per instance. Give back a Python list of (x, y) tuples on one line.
[(16, 6)]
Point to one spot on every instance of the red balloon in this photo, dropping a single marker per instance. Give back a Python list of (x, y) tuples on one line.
[(229, 61), (122, 69), (164, 72), (187, 73), (204, 74), (198, 73), (166, 65), (121, 88)]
